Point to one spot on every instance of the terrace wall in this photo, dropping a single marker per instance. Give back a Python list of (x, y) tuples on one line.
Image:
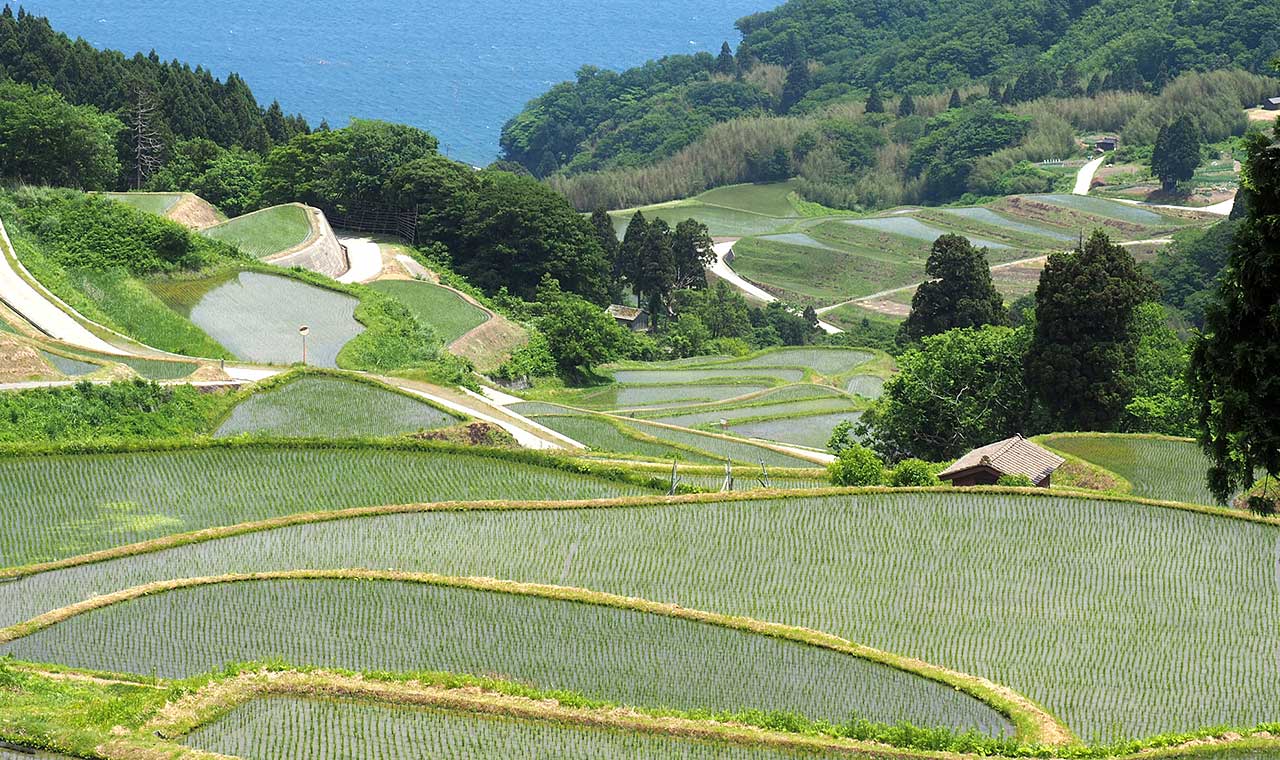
[(321, 252)]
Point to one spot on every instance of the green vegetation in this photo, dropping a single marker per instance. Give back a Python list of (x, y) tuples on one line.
[(1236, 359), (1171, 469), (44, 140), (88, 412), (152, 203), (66, 504), (447, 313), (980, 552), (265, 233), (810, 430), (621, 656), (331, 729), (320, 406), (1177, 153), (959, 292)]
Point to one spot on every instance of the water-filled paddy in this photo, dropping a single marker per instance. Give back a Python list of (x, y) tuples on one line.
[(911, 227), (987, 216), (1102, 207)]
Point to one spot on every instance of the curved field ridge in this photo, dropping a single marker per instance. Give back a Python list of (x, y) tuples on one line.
[(58, 506), (278, 726), (620, 649), (331, 407), (1158, 468), (1075, 601)]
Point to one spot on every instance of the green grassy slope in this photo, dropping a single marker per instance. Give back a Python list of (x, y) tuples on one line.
[(444, 310), (266, 232)]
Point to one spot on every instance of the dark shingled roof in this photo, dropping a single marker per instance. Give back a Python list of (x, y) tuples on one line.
[(1012, 456)]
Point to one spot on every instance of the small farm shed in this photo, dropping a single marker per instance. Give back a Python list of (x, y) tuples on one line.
[(630, 317), (1271, 104), (1107, 143), (1012, 456)]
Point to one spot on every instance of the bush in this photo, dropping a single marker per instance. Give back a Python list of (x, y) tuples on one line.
[(857, 465), (1019, 481), (913, 472)]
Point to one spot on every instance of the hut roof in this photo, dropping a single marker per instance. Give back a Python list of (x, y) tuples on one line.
[(1012, 456)]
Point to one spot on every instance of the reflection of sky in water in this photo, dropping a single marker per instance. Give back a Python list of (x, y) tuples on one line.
[(459, 69), (987, 216), (257, 316)]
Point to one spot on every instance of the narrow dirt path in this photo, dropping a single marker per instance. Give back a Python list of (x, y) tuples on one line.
[(886, 293), (364, 257)]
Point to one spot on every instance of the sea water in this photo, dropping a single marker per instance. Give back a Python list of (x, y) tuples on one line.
[(458, 68)]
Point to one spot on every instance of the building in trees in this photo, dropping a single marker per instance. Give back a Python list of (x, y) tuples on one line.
[(635, 320)]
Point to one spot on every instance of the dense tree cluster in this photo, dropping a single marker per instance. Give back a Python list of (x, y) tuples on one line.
[(163, 102), (960, 295)]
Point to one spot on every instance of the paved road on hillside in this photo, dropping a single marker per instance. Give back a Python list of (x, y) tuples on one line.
[(364, 258), (912, 286), (1084, 177), (720, 268)]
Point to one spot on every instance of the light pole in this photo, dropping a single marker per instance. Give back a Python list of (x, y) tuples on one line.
[(303, 331)]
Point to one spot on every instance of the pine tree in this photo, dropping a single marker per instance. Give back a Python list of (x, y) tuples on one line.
[(602, 224), (1081, 362), (960, 295), (630, 252), (874, 103), (906, 106), (726, 65), (954, 102), (1235, 362), (1177, 152)]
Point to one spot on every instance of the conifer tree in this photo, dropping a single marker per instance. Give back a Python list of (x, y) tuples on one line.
[(874, 103), (797, 85), (960, 295), (954, 102), (725, 63), (1177, 152), (906, 106), (1235, 363)]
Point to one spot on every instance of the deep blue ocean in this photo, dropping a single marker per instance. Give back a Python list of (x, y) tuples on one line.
[(458, 68)]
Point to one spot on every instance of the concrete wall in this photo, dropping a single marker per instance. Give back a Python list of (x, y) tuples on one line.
[(320, 253)]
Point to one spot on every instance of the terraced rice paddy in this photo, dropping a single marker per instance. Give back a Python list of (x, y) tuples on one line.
[(1121, 618), (812, 431), (1172, 470), (797, 238), (621, 656), (712, 417), (152, 203), (867, 386), (657, 396), (69, 367), (824, 361), (737, 451), (910, 227), (1102, 207), (601, 435), (821, 275), (257, 316), (679, 376), (331, 730), (987, 216), (330, 407), (265, 233), (448, 313), (59, 506)]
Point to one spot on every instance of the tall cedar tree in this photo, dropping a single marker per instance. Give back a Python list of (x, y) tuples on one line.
[(1235, 363), (961, 295), (954, 101), (656, 269), (1081, 363), (630, 252), (906, 106), (692, 252), (1177, 152), (874, 103), (725, 63), (799, 81)]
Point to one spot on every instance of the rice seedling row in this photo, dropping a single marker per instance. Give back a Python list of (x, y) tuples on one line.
[(679, 376), (265, 233), (910, 227), (603, 435), (61, 506), (737, 451), (315, 729), (1172, 470), (1121, 618), (812, 430), (642, 396), (153, 203), (69, 367), (622, 656), (824, 361), (713, 416), (331, 407), (867, 386)]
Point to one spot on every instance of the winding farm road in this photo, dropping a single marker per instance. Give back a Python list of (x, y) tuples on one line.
[(720, 268), (1084, 177), (39, 309)]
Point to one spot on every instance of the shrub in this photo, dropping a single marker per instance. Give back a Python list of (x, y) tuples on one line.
[(857, 465), (1015, 480), (913, 472)]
